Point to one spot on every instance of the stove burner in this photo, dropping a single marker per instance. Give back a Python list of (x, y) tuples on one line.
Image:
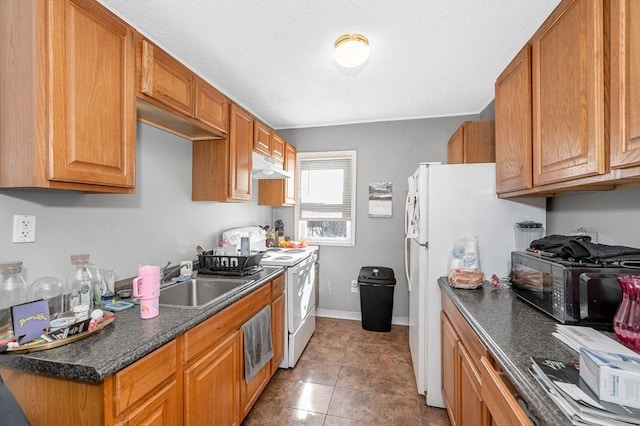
[(295, 251), (283, 258)]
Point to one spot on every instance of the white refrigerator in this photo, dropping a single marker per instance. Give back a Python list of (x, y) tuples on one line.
[(445, 203)]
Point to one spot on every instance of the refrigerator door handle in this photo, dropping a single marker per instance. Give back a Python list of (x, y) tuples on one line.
[(407, 242)]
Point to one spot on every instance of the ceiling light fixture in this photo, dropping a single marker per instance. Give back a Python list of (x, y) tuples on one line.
[(351, 50)]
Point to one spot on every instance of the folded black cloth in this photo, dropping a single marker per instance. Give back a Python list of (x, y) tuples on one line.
[(598, 252), (580, 247), (555, 243)]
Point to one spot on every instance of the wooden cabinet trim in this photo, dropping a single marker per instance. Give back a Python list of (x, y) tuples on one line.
[(499, 398), (277, 287), (135, 382)]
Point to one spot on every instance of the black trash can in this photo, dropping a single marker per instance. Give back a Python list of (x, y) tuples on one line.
[(376, 297)]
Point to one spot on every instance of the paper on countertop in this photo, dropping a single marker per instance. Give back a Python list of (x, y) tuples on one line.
[(576, 337)]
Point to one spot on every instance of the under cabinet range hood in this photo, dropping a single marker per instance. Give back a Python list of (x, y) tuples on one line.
[(267, 168)]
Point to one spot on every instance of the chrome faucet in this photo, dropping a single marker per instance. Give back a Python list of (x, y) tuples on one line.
[(169, 272)]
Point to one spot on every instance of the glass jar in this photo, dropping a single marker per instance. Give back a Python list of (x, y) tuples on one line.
[(50, 289), (13, 291), (626, 322), (80, 283)]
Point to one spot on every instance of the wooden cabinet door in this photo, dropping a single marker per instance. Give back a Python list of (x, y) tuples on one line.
[(290, 184), (261, 138), (471, 408), (167, 80), (568, 93), (625, 83), (250, 392), (455, 147), (513, 125), (277, 332), (158, 410), (91, 95), (211, 386), (212, 107), (240, 149), (277, 147), (450, 366)]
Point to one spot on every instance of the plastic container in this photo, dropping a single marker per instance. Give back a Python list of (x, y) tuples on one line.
[(376, 284), (50, 289), (80, 283), (13, 291), (526, 232)]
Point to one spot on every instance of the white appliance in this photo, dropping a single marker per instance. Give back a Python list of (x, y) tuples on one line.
[(300, 294), (444, 203)]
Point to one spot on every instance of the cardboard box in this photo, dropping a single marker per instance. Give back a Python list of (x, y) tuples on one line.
[(613, 377)]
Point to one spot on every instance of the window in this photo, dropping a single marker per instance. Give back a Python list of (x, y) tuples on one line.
[(326, 210)]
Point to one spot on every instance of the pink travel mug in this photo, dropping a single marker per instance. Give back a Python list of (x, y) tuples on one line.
[(146, 287)]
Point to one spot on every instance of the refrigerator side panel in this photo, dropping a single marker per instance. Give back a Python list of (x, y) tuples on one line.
[(463, 202)]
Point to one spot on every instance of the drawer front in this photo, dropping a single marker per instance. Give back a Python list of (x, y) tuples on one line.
[(136, 381), (499, 398), (277, 287), (224, 322)]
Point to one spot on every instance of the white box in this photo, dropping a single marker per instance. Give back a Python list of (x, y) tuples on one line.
[(613, 377)]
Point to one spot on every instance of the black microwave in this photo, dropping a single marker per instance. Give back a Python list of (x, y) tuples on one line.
[(571, 292)]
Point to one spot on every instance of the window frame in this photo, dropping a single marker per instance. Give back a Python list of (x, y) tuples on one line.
[(351, 155)]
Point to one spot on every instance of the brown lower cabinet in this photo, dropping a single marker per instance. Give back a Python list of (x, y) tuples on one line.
[(195, 379), (475, 391)]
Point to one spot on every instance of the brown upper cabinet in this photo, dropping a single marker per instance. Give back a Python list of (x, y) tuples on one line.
[(267, 142), (473, 142), (67, 102), (625, 83), (280, 192), (585, 103), (175, 99), (513, 125), (221, 169), (568, 93)]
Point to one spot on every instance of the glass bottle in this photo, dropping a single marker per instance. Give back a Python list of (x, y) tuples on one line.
[(80, 283), (50, 289), (13, 291)]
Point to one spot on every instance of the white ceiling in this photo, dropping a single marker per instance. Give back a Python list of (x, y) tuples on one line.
[(429, 58)]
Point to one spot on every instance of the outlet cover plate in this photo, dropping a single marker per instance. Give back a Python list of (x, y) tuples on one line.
[(24, 228), (354, 286)]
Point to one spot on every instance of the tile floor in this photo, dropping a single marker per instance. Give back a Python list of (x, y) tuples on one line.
[(347, 376)]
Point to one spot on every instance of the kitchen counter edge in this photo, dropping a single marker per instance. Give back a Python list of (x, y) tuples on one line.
[(125, 341)]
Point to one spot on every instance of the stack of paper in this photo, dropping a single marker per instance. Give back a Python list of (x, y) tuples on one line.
[(562, 383), (586, 337)]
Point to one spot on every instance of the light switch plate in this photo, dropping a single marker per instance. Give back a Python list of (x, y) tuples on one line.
[(24, 228)]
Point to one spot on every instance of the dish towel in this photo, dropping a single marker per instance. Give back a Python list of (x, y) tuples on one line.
[(257, 343)]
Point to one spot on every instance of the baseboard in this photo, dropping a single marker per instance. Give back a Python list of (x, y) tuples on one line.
[(356, 316)]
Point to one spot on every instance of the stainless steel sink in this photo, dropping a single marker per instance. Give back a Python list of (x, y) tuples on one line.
[(199, 292)]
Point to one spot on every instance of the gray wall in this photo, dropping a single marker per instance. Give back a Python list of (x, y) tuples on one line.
[(614, 215), (387, 151), (157, 224)]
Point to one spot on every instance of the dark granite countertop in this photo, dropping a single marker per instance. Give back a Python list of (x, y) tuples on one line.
[(513, 332), (126, 340)]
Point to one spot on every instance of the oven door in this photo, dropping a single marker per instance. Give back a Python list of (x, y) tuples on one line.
[(301, 296)]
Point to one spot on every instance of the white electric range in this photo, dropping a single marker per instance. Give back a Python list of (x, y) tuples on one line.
[(300, 294)]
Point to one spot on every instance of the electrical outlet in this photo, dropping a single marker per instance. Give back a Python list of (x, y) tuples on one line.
[(24, 228), (354, 286)]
